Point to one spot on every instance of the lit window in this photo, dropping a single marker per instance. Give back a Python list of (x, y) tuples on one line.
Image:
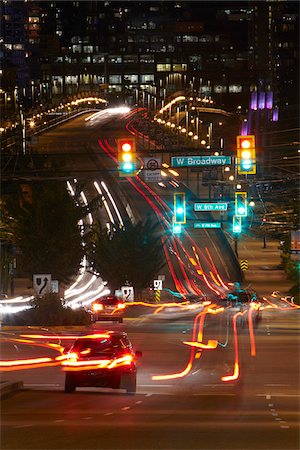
[(179, 67), (189, 38), (235, 88), (163, 67), (147, 78), (147, 59), (218, 89), (117, 59), (98, 59), (88, 49), (205, 89), (115, 79), (131, 78)]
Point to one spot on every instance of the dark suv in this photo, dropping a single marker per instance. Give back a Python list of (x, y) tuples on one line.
[(101, 360), (108, 308)]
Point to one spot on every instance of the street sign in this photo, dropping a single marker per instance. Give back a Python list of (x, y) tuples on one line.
[(157, 285), (210, 206), (42, 283), (207, 224), (198, 161), (152, 169), (54, 286), (244, 264), (128, 293)]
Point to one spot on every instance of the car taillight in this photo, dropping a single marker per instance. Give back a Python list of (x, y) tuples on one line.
[(72, 356), (97, 307), (121, 305)]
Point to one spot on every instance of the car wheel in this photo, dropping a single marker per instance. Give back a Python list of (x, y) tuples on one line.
[(69, 384), (129, 383)]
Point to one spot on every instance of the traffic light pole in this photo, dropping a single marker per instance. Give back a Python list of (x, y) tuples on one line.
[(236, 246)]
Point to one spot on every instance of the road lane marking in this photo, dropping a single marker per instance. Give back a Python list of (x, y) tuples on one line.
[(277, 385), (277, 394), (284, 426), (138, 402), (125, 408), (58, 420), (41, 384), (108, 414)]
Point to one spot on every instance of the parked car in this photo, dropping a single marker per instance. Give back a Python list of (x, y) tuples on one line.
[(108, 308), (106, 360)]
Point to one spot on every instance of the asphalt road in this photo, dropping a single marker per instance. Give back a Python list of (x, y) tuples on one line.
[(193, 412)]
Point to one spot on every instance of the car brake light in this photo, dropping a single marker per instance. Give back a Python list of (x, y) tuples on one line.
[(121, 305), (97, 307), (72, 356)]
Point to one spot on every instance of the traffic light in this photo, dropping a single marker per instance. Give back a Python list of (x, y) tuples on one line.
[(176, 228), (237, 224), (241, 204), (127, 156), (246, 156), (179, 208)]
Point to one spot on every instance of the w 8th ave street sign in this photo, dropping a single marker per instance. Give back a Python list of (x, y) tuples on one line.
[(210, 206), (198, 161)]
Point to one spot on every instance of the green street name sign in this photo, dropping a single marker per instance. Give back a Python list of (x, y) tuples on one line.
[(197, 161), (210, 206), (207, 224)]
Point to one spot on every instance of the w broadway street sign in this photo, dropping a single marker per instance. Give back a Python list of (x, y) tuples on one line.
[(197, 161), (210, 206)]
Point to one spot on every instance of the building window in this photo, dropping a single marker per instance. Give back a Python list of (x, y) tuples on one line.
[(127, 59), (88, 49), (179, 67), (163, 67), (146, 59), (235, 88), (205, 89), (117, 59), (219, 89), (131, 79), (98, 59), (115, 79), (147, 78), (76, 48), (189, 38)]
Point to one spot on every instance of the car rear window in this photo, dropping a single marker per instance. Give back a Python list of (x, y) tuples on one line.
[(111, 301), (103, 347)]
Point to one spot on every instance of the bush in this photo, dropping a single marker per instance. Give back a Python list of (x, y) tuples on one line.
[(48, 311)]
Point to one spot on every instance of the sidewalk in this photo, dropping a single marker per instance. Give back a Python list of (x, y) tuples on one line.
[(263, 273)]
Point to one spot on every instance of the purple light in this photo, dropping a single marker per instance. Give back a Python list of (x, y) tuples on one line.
[(269, 101), (253, 104), (244, 131), (262, 100), (275, 115)]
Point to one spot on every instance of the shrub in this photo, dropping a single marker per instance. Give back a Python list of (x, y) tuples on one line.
[(49, 311)]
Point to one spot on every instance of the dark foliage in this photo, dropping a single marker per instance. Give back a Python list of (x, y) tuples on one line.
[(46, 232), (48, 311), (133, 254)]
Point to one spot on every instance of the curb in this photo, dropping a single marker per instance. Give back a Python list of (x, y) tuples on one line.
[(7, 387)]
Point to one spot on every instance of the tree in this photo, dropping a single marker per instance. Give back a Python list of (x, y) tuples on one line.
[(133, 254), (46, 232)]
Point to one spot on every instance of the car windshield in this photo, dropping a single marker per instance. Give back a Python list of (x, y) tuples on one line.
[(103, 347)]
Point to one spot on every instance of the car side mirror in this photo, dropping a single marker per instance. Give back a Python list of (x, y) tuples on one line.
[(138, 354)]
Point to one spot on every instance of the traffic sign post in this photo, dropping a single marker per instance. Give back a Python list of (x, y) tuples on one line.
[(244, 264), (157, 285), (152, 170), (42, 283)]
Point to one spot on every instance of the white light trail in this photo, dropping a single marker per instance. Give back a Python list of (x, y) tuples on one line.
[(113, 202), (104, 201)]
